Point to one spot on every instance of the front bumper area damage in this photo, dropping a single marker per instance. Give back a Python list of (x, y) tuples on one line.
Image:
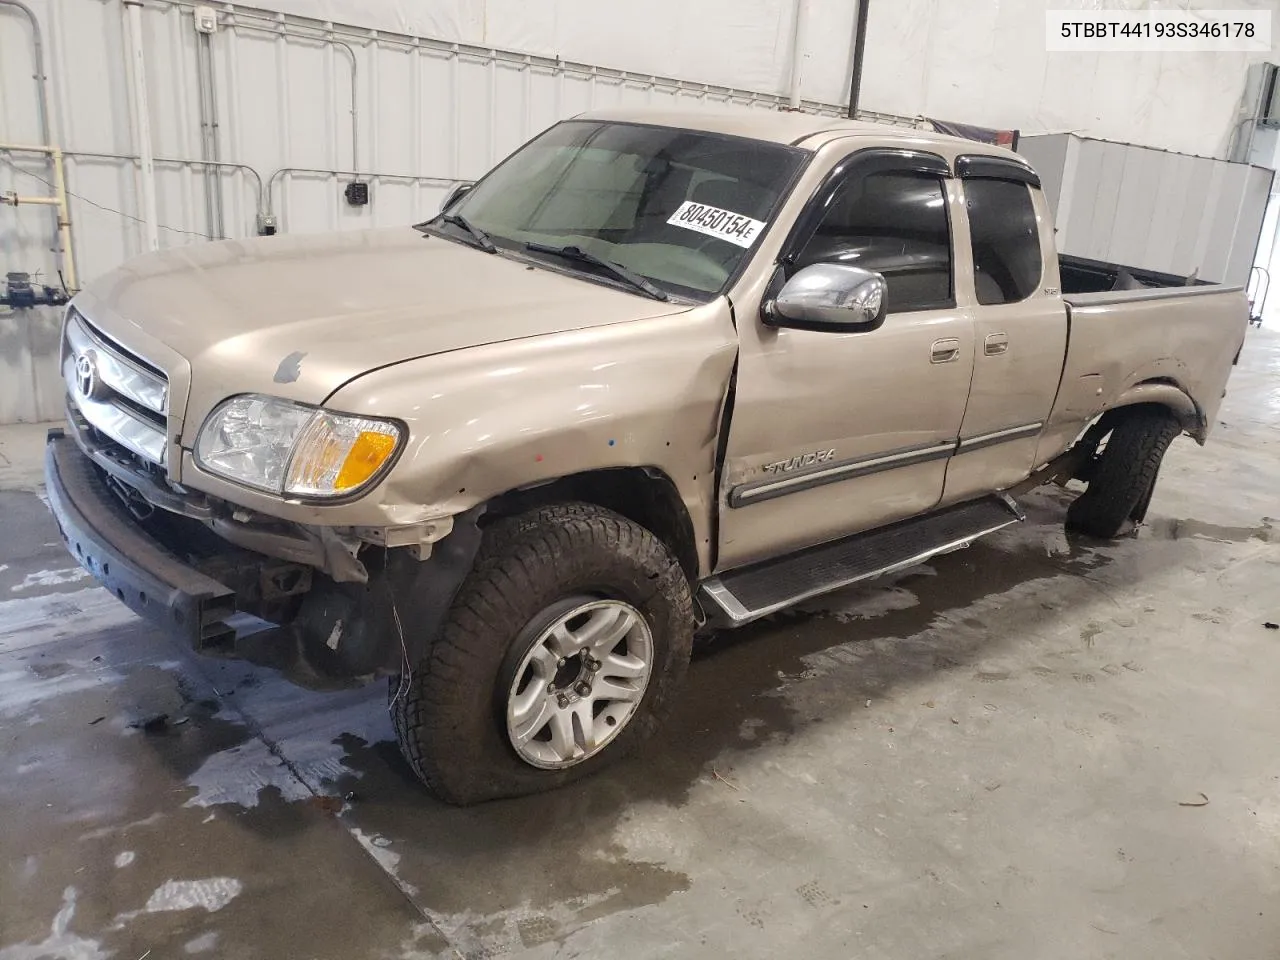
[(138, 569), (187, 563), (144, 491)]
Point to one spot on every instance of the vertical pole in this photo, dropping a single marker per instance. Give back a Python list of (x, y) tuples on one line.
[(64, 221), (798, 30), (859, 49), (143, 116), (206, 128), (215, 135)]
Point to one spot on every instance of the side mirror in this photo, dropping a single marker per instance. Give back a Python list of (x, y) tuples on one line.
[(832, 297), (454, 195)]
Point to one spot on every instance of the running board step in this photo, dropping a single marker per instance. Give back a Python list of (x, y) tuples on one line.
[(740, 596)]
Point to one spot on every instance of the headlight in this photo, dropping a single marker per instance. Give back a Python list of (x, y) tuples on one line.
[(286, 448)]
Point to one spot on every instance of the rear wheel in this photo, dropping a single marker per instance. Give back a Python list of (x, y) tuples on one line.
[(1123, 477), (559, 656)]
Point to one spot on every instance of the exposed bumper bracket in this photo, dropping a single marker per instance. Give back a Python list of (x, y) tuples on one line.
[(123, 558)]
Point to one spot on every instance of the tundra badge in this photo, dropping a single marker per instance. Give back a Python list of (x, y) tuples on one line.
[(795, 463)]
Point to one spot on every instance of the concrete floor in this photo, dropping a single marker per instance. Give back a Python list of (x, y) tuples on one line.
[(1032, 748)]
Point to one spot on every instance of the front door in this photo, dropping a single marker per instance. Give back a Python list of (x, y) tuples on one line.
[(1020, 329), (833, 433)]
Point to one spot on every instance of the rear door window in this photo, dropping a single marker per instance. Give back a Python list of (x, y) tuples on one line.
[(1006, 240)]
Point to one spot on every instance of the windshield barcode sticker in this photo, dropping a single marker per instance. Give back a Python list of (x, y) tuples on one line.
[(715, 222)]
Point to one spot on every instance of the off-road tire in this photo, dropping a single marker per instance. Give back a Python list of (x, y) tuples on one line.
[(449, 716), (1124, 476)]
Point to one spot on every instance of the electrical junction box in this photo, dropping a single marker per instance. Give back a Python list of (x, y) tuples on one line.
[(206, 19), (357, 193)]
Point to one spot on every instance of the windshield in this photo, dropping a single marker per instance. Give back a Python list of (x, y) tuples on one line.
[(681, 208)]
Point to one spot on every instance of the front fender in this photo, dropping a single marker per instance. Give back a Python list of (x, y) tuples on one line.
[(486, 420)]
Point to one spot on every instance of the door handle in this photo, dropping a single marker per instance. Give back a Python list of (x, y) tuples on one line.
[(944, 351), (995, 344)]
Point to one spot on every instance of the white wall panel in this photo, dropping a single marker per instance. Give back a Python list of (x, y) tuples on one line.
[(984, 61), (429, 112), (1254, 235), (1161, 211), (439, 98), (444, 88), (1135, 205), (1177, 191)]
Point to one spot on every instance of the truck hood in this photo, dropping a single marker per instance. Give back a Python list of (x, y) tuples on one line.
[(298, 316)]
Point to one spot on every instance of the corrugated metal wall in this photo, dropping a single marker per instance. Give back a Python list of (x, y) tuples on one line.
[(301, 106), (1163, 211)]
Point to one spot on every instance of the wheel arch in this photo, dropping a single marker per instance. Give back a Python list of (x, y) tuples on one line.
[(645, 495), (1167, 393)]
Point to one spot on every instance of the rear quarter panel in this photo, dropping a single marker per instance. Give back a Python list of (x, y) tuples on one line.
[(1184, 337)]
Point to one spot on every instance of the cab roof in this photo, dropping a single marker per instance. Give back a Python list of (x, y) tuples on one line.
[(792, 128)]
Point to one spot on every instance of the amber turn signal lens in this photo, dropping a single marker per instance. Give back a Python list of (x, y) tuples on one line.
[(368, 453), (336, 454)]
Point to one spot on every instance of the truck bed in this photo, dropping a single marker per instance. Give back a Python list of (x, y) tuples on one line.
[(1104, 297), (1129, 344), (1080, 275)]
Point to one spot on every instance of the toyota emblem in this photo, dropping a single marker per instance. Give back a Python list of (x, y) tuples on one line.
[(86, 376)]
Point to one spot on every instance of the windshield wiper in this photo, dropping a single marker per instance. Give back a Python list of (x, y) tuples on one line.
[(616, 270), (481, 240)]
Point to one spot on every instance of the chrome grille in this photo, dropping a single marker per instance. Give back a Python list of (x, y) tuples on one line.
[(118, 393)]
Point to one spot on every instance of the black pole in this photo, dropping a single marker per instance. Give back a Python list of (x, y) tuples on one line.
[(859, 48)]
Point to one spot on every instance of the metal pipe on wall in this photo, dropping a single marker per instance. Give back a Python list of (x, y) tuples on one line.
[(800, 26), (42, 81), (215, 135), (289, 25), (174, 19), (355, 122), (142, 115), (220, 164), (13, 200), (42, 97), (269, 210), (859, 53), (58, 200), (202, 105), (207, 91), (274, 24)]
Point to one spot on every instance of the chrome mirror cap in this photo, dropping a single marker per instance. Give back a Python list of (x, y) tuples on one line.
[(830, 296)]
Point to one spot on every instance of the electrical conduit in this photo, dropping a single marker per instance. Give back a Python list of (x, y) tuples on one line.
[(142, 117)]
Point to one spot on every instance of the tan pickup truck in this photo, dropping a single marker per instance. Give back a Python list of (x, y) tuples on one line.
[(654, 373)]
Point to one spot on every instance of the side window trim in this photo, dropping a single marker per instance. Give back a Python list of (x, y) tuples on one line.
[(861, 162), (980, 167)]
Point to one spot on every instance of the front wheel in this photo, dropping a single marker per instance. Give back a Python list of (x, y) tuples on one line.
[(559, 656)]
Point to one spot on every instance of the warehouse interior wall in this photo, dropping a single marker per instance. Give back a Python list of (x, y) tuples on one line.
[(980, 61), (430, 114), (986, 62), (300, 107)]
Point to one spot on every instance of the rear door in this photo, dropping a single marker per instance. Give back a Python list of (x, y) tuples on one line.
[(1020, 325), (833, 433)]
